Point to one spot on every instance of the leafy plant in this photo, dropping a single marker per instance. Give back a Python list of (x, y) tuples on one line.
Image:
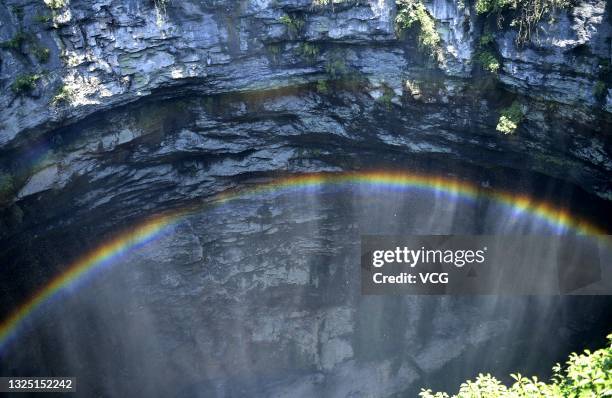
[(322, 87), (486, 39), (63, 95), (486, 53), (527, 13), (413, 13), (308, 51), (510, 118), (587, 375), (16, 42), (23, 41), (336, 68), (387, 96), (25, 83), (294, 23), (42, 54), (488, 60), (55, 4)]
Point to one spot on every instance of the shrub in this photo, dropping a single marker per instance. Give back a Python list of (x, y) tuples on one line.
[(486, 53), (528, 13), (308, 51), (63, 95), (41, 53), (488, 60), (17, 42), (322, 87), (510, 118), (386, 97), (486, 39), (24, 83), (336, 68), (413, 12), (55, 4), (588, 375), (294, 23), (323, 3)]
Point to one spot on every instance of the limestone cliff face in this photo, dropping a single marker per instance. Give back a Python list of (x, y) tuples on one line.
[(141, 106), (104, 54)]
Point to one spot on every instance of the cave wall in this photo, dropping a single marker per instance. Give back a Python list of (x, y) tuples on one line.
[(105, 54), (164, 107)]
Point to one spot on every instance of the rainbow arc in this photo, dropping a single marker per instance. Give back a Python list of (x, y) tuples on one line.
[(108, 252)]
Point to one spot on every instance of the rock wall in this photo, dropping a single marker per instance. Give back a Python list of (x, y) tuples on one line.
[(144, 106)]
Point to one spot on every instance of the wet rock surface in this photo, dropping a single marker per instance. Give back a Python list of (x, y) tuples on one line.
[(260, 296), (107, 53), (166, 107)]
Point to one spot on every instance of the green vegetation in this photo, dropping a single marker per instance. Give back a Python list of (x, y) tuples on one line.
[(588, 375), (294, 24), (488, 6), (486, 40), (413, 12), (488, 60), (510, 118), (486, 54), (322, 87), (17, 42), (42, 54), (323, 3), (55, 4), (308, 51), (387, 96), (526, 13), (21, 40), (62, 96), (336, 67), (24, 83), (339, 74)]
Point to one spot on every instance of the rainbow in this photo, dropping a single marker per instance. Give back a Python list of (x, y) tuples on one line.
[(107, 253)]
